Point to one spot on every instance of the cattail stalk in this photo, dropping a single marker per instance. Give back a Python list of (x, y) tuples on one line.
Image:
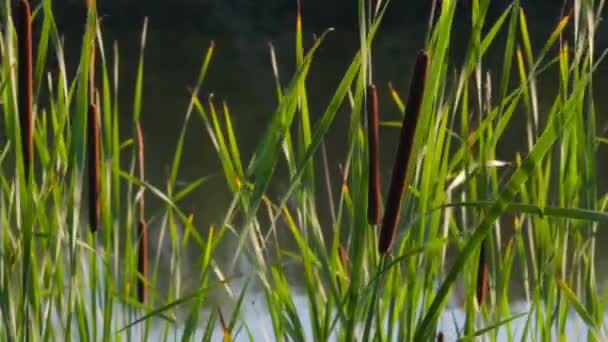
[(142, 260), (482, 276), (92, 74), (25, 84), (392, 210), (94, 155), (374, 194), (142, 227)]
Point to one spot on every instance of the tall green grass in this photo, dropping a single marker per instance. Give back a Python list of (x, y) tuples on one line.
[(462, 222)]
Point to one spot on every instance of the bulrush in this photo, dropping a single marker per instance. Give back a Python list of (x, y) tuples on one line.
[(392, 211), (374, 194), (24, 48), (482, 276), (142, 227), (93, 156)]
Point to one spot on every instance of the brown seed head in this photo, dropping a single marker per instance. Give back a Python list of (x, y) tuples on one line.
[(392, 210), (482, 276)]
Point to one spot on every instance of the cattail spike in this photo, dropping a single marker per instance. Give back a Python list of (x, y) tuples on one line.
[(482, 276), (374, 195), (93, 152), (25, 84), (392, 210)]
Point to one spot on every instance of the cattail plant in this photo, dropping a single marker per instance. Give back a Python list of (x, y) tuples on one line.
[(392, 210), (93, 153), (142, 227), (482, 276), (25, 85), (374, 194), (142, 260)]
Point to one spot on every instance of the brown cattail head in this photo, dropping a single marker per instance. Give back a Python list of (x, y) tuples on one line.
[(440, 336), (482, 276), (142, 260), (94, 155), (25, 85), (374, 195), (392, 211)]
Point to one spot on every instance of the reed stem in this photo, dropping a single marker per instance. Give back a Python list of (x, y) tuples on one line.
[(93, 152), (25, 84), (142, 260), (142, 227)]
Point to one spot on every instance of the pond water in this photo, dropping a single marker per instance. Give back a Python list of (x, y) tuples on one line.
[(256, 324)]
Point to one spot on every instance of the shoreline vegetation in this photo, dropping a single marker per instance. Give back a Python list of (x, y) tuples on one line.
[(82, 259)]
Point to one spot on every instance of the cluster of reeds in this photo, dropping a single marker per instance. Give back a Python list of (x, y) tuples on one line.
[(353, 285)]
